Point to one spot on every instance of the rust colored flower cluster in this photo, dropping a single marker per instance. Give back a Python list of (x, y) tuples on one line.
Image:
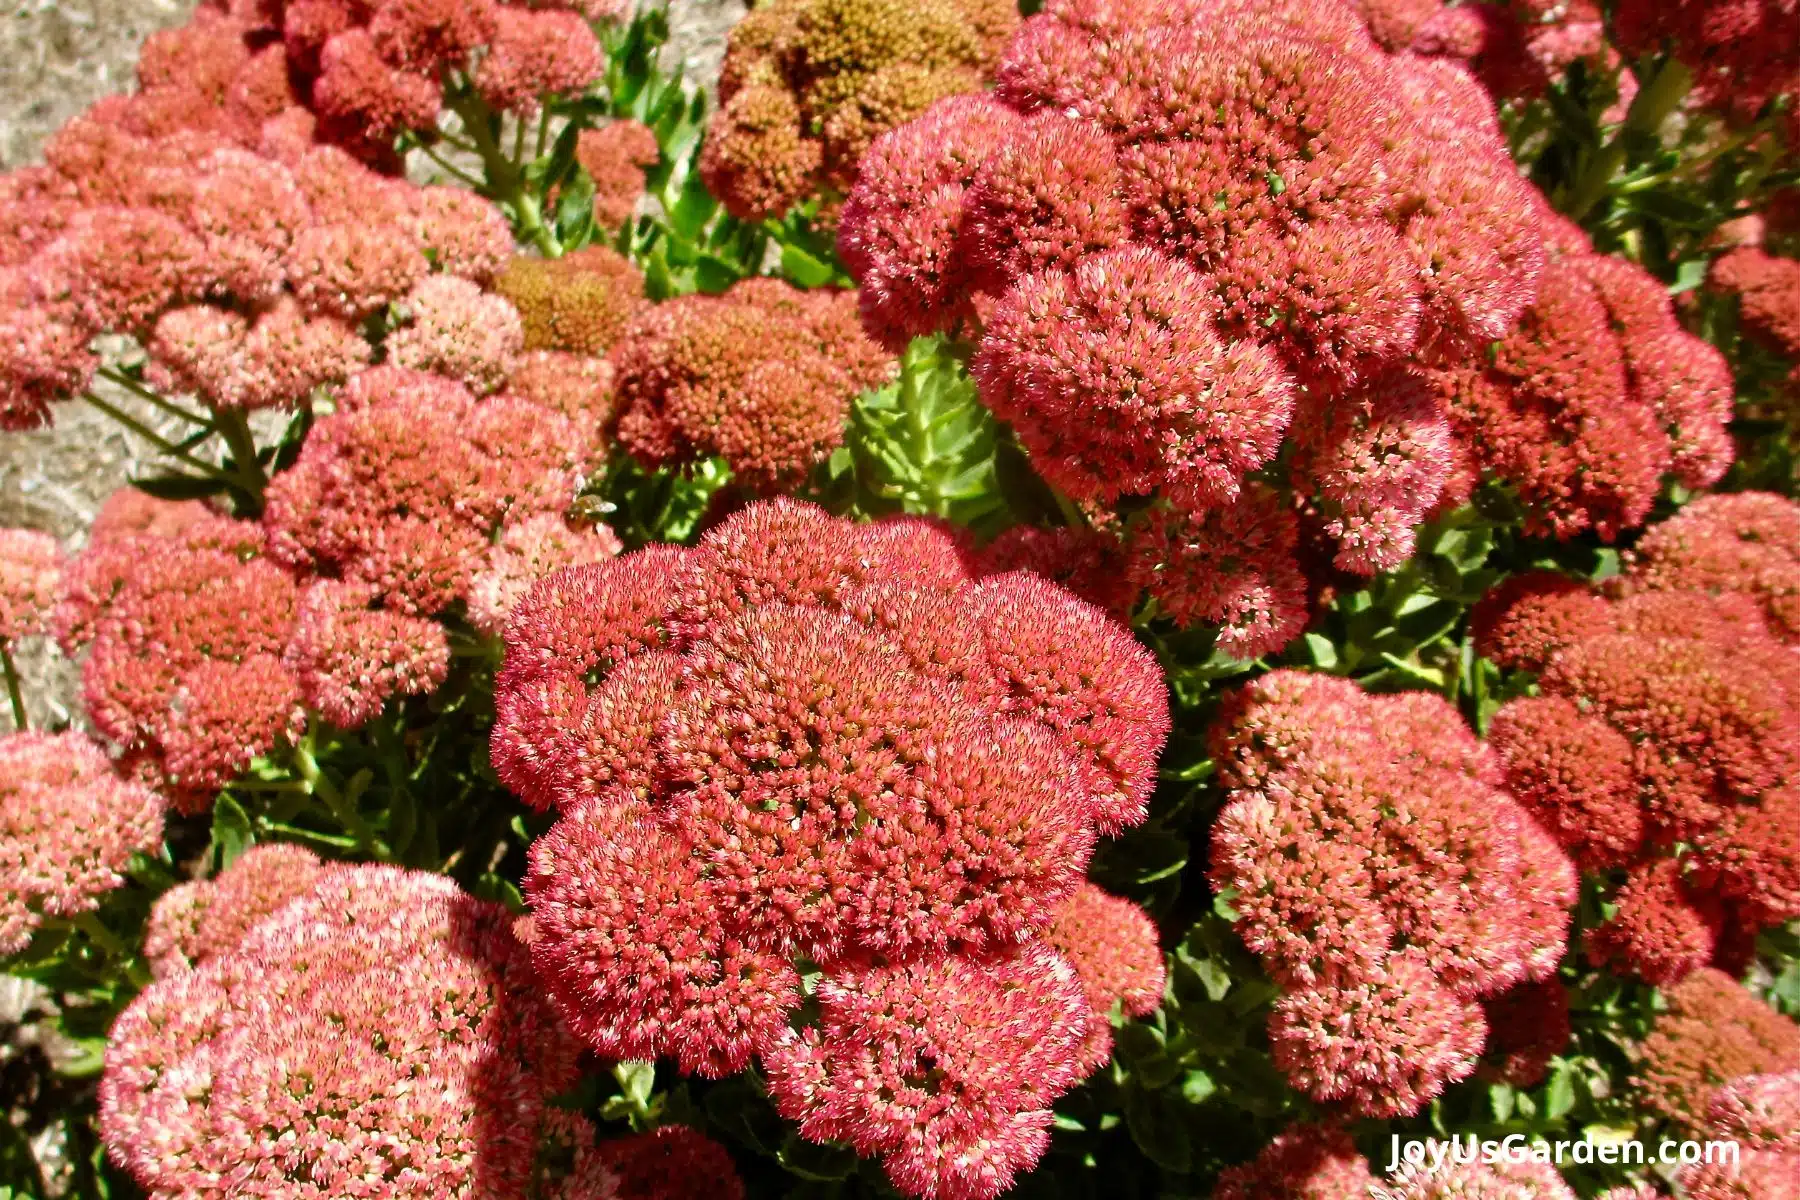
[(69, 824), (616, 157), (1385, 879), (1714, 1034), (1665, 736), (185, 633), (807, 85), (761, 376), (379, 1035), (30, 569), (1743, 53), (1762, 1114), (580, 303), (1595, 397), (244, 261), (810, 744), (1195, 232), (405, 489)]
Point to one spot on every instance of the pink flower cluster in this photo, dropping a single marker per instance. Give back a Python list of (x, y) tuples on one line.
[(807, 745), (1385, 879), (30, 569), (1195, 231), (69, 824), (185, 632), (380, 1034), (243, 260), (616, 157), (204, 918), (403, 492), (1665, 736), (1595, 397), (761, 376)]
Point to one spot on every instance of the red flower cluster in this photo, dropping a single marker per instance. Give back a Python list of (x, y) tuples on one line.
[(404, 488), (761, 376), (1768, 294), (243, 260), (1193, 232), (1527, 1027), (1744, 544), (580, 303), (1714, 1034), (1308, 1162), (1664, 738), (379, 1035), (807, 85), (1743, 53), (1386, 881), (1595, 397), (30, 568), (811, 742), (185, 633), (204, 918), (69, 825), (672, 1162), (1112, 944), (1087, 562), (1762, 1114), (1515, 47)]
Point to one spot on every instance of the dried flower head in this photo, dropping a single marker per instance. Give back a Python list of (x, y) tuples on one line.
[(581, 302), (808, 84), (1714, 1033)]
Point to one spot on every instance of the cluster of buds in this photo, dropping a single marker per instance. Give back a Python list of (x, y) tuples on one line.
[(813, 763), (1664, 737), (1385, 879), (1595, 397), (761, 376), (1189, 234), (69, 825), (1767, 289), (359, 1030), (807, 85)]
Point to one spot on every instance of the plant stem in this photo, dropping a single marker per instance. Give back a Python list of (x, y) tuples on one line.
[(156, 439), (344, 813), (139, 390), (235, 427), (543, 133), (1660, 97), (505, 182), (454, 171), (20, 721), (100, 935)]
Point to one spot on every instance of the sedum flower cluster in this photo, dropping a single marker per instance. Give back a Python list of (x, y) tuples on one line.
[(1662, 740), (807, 85), (1194, 235), (813, 767), (69, 826), (1385, 879), (358, 1031), (761, 376)]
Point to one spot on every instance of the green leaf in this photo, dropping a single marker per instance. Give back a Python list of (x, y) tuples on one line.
[(500, 890), (694, 207), (1158, 1130), (232, 833), (179, 487), (1689, 275), (805, 270), (1559, 1097), (819, 1163), (1197, 1087)]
